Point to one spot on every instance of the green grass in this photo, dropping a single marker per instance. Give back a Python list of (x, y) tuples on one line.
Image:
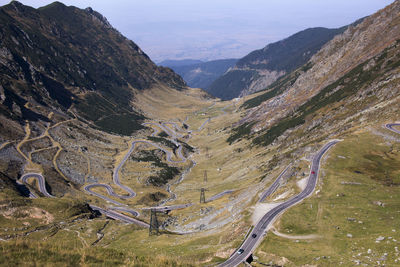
[(276, 88), (341, 209), (31, 253), (108, 117), (163, 141), (58, 244), (163, 134), (125, 124), (347, 86), (166, 172), (239, 132)]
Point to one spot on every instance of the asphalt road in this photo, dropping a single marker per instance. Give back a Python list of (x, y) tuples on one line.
[(116, 179), (219, 195), (124, 209), (131, 193), (261, 227), (120, 206), (390, 126), (109, 189), (118, 216), (41, 183), (273, 187)]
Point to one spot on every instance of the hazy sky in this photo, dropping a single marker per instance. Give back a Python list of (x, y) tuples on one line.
[(214, 29)]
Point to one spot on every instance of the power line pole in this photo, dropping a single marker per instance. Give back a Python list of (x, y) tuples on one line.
[(202, 195), (205, 176), (153, 229)]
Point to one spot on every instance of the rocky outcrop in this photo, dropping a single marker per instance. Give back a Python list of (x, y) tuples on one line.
[(71, 59), (261, 68), (337, 58)]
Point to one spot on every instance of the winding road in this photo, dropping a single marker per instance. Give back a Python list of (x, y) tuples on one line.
[(272, 188), (118, 216), (260, 229), (116, 180), (41, 183), (111, 211), (390, 126), (131, 193), (257, 233)]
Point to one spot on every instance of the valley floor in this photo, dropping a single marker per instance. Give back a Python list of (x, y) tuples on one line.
[(350, 219)]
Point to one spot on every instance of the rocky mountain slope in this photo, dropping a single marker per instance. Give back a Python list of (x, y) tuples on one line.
[(201, 74), (346, 91), (354, 75), (261, 68), (72, 60)]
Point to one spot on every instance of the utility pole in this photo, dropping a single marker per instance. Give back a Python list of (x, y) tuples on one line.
[(205, 176), (202, 195), (153, 229)]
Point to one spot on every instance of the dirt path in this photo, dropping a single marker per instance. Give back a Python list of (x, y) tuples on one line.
[(37, 168), (297, 237), (5, 144)]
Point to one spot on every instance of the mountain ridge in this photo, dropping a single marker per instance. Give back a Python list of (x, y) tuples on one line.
[(344, 58), (202, 74), (260, 68), (73, 58)]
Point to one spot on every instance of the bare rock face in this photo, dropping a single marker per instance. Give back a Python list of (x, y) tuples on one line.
[(63, 57), (262, 81), (262, 67), (337, 58), (98, 17)]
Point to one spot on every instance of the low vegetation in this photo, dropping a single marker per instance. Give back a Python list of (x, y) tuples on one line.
[(279, 86), (164, 175), (354, 209), (240, 132), (347, 86)]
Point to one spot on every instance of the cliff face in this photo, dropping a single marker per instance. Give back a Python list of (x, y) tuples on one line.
[(359, 66), (71, 59), (260, 68)]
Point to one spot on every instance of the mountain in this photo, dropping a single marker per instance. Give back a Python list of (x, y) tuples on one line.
[(73, 61), (179, 63), (261, 68), (353, 78), (201, 75)]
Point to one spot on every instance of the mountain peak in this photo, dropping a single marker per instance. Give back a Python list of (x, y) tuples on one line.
[(54, 5), (83, 60), (96, 16), (17, 6)]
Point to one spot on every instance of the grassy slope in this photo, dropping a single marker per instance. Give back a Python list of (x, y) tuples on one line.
[(341, 209), (354, 82)]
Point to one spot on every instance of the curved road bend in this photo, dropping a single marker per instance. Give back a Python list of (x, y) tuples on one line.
[(390, 126), (109, 189), (260, 228), (163, 127), (133, 212), (118, 216), (274, 186), (116, 179), (41, 183), (175, 133)]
